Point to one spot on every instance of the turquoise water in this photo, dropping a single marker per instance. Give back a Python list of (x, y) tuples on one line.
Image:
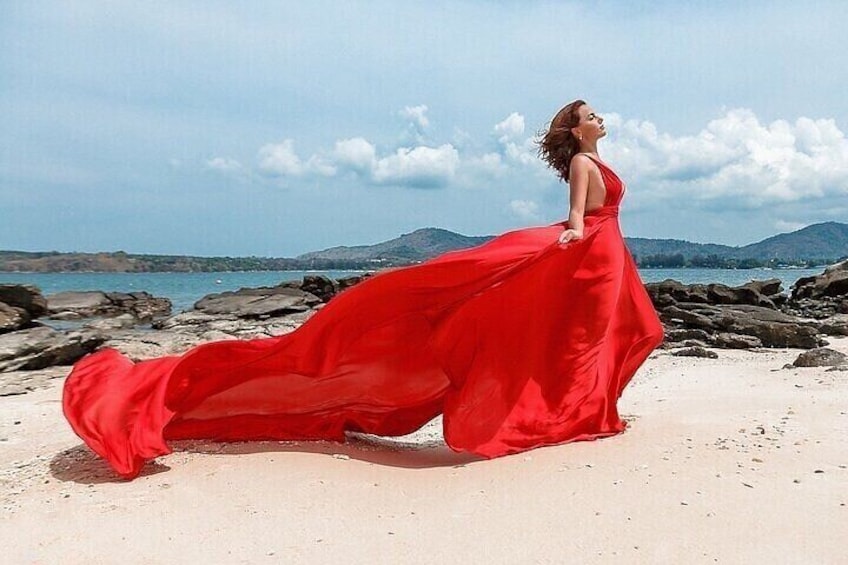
[(184, 289)]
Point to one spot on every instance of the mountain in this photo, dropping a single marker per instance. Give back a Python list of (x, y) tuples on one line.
[(828, 239), (824, 243), (415, 246), (814, 245)]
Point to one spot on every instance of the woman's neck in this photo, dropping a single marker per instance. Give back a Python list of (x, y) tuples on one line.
[(589, 148)]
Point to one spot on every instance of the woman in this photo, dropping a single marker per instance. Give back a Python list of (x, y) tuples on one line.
[(524, 341)]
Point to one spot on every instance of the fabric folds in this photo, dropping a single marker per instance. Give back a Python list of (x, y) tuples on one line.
[(519, 342)]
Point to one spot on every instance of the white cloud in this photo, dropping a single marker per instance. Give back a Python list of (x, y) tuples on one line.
[(417, 124), (356, 154), (515, 147), (734, 162), (512, 127), (735, 159), (417, 115), (321, 166), (417, 167), (525, 209), (420, 167), (280, 159), (224, 164)]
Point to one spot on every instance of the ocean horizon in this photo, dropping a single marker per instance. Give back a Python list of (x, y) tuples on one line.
[(184, 289)]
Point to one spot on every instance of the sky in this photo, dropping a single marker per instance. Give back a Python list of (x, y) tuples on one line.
[(277, 128)]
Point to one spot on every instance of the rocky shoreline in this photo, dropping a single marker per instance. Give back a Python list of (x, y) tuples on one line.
[(698, 319)]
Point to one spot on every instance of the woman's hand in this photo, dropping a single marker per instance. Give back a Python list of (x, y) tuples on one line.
[(569, 235)]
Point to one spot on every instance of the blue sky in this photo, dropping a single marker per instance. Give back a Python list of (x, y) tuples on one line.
[(222, 128)]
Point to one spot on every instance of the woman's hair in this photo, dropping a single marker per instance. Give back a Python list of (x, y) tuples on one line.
[(557, 145)]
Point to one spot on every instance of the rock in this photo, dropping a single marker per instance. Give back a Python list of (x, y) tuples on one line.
[(41, 347), (768, 287), (833, 282), (115, 323), (66, 315), (84, 303), (143, 305), (756, 293), (735, 341), (13, 318), (834, 325), (24, 296), (670, 291), (770, 326), (259, 302), (761, 313), (94, 303), (682, 334), (820, 357), (21, 382), (722, 294), (223, 326), (347, 282), (190, 320), (691, 318), (322, 287), (145, 344), (695, 352), (773, 328)]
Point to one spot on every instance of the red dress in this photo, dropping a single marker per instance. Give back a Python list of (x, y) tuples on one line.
[(519, 342)]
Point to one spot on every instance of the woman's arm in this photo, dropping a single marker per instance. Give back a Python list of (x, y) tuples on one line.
[(578, 181)]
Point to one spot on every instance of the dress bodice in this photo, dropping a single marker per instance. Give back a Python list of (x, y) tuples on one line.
[(612, 199), (614, 191)]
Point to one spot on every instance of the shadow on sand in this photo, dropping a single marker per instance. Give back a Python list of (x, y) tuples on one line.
[(81, 465)]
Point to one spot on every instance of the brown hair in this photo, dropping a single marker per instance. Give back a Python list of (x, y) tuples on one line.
[(557, 145)]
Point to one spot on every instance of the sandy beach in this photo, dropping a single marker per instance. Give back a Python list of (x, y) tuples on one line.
[(728, 460)]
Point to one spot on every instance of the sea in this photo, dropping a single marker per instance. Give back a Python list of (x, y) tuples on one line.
[(184, 289)]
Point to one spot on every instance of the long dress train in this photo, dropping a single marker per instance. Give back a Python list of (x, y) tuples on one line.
[(519, 342)]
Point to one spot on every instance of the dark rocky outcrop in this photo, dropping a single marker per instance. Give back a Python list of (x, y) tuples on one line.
[(258, 303), (13, 318), (730, 317), (258, 312), (19, 305), (71, 305), (40, 347), (837, 324), (832, 283), (765, 293), (822, 297), (24, 296), (323, 287), (820, 357), (695, 351)]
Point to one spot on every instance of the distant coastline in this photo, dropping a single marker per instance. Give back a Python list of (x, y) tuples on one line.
[(813, 246)]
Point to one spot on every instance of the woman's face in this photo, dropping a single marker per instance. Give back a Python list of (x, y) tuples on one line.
[(591, 125)]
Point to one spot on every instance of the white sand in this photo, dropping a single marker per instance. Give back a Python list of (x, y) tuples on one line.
[(728, 460)]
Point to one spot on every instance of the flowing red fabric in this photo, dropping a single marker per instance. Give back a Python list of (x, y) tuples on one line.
[(519, 342)]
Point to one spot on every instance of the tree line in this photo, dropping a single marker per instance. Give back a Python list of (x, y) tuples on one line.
[(714, 261)]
